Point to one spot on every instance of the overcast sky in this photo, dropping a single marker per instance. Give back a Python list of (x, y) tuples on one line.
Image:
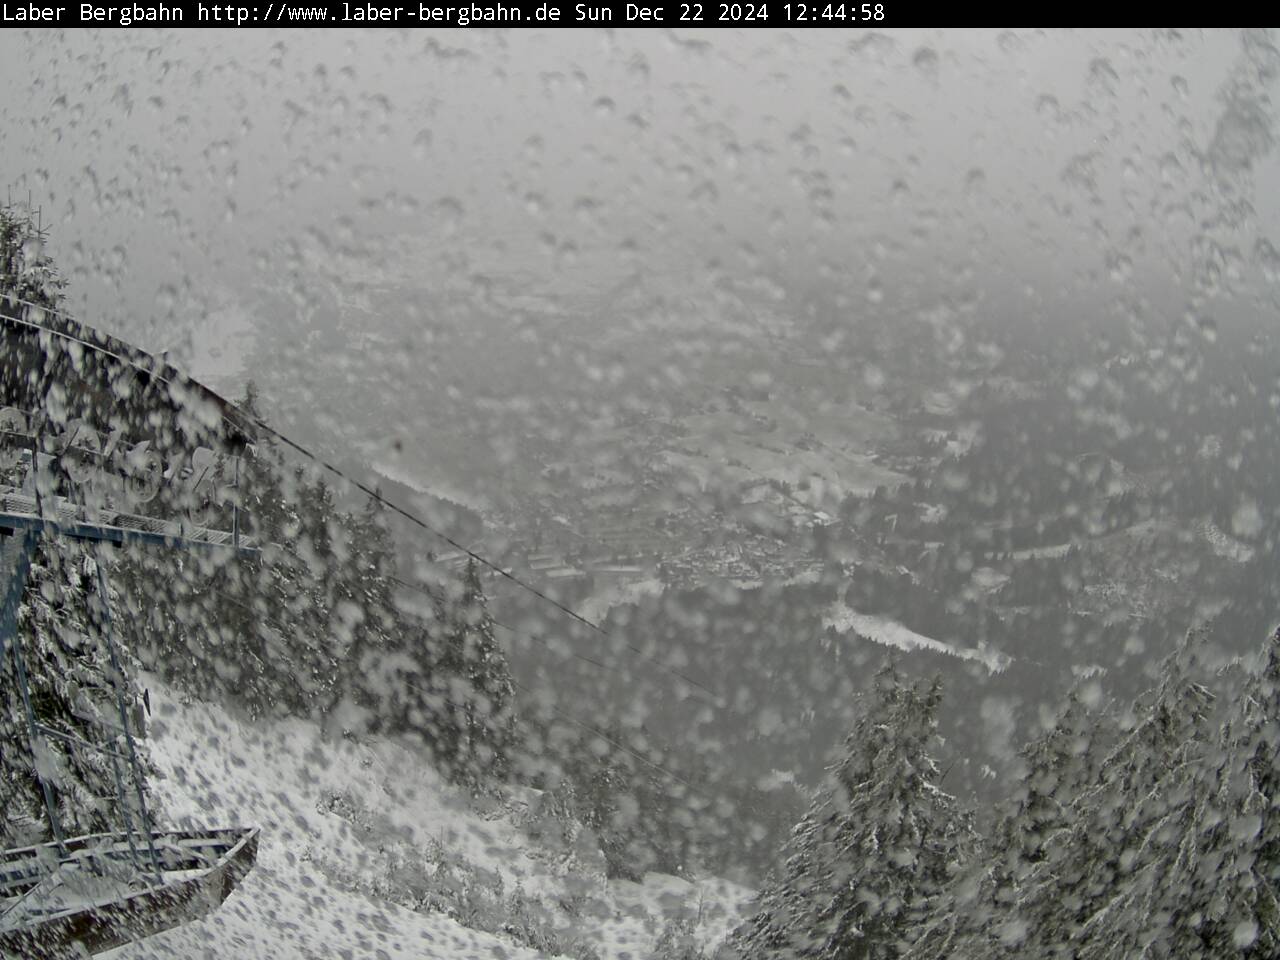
[(176, 169)]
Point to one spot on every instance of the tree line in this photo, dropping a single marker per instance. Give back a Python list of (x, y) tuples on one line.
[(312, 625), (309, 625), (1152, 830)]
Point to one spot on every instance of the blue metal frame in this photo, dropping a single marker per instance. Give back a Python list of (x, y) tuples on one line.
[(117, 679), (13, 593), (27, 531), (27, 520)]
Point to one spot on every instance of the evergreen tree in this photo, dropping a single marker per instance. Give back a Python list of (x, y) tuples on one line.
[(311, 576), (289, 665), (593, 790), (871, 862), (480, 694), (1236, 887), (266, 511), (1256, 742), (1061, 766), (660, 837), (370, 633), (1104, 889), (25, 271), (1160, 849), (415, 699), (224, 623), (1210, 886), (1193, 878)]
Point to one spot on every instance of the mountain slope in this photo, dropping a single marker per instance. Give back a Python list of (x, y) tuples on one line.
[(366, 852)]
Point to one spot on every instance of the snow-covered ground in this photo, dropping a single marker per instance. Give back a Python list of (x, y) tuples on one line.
[(620, 592), (1054, 551), (419, 481), (1223, 544), (844, 619), (350, 830)]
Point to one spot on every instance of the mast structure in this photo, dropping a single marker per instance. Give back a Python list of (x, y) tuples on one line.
[(165, 475)]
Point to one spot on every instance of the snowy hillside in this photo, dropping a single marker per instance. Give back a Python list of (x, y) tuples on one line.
[(366, 852)]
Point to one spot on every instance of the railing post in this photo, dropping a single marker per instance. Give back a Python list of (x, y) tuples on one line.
[(235, 508), (118, 682)]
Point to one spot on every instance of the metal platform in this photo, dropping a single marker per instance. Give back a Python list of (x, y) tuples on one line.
[(56, 899), (21, 511)]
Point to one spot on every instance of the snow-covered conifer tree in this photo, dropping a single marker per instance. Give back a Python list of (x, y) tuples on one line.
[(1101, 891), (872, 860), (480, 691), (1036, 828)]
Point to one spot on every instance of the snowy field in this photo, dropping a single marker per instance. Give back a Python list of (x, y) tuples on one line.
[(890, 633), (349, 829)]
